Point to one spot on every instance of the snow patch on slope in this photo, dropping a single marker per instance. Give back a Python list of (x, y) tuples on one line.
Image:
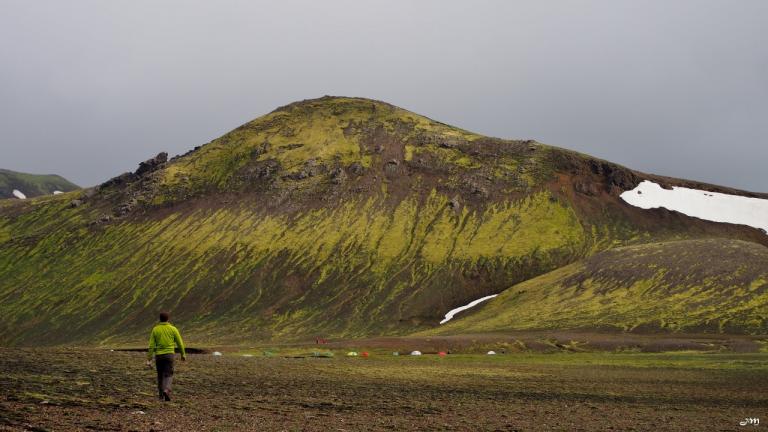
[(712, 206), (18, 194), (474, 303), (57, 192)]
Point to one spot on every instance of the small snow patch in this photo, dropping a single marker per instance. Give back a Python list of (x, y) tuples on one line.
[(57, 192), (415, 353), (352, 354), (247, 355), (216, 353), (18, 194), (491, 353), (453, 312), (711, 206)]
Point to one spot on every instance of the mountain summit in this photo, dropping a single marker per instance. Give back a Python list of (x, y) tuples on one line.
[(351, 217)]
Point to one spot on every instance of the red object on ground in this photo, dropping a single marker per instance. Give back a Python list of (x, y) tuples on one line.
[(442, 354), (364, 354)]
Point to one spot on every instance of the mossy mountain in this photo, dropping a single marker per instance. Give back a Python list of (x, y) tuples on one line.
[(32, 185), (328, 217)]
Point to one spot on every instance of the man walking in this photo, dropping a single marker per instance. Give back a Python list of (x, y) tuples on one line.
[(162, 343)]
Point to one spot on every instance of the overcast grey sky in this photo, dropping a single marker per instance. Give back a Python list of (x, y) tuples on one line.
[(90, 88)]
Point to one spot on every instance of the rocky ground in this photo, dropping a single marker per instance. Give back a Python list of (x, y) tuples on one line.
[(68, 389)]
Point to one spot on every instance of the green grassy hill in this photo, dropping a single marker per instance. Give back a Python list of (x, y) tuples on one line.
[(713, 285), (32, 185), (328, 217)]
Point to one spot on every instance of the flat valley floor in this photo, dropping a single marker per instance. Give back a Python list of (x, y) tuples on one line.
[(69, 389)]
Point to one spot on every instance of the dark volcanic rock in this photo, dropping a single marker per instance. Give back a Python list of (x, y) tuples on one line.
[(145, 168), (259, 171), (153, 164), (357, 169), (614, 175), (125, 208), (120, 180), (311, 169), (448, 142), (338, 176)]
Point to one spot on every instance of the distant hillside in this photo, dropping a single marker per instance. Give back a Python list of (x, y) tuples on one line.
[(32, 185), (329, 217)]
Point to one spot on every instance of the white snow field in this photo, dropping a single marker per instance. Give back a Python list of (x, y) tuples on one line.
[(18, 194), (57, 192), (474, 303), (712, 206)]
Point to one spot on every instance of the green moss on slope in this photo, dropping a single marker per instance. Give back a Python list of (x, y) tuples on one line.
[(326, 131), (354, 270), (334, 217), (694, 285)]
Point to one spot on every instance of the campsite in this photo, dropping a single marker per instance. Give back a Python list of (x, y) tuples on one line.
[(289, 388)]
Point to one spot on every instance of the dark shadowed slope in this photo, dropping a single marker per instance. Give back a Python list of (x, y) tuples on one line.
[(334, 216)]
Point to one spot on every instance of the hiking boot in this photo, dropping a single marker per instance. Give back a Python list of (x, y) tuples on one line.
[(167, 395)]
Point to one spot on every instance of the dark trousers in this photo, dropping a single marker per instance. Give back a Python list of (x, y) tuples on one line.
[(164, 365)]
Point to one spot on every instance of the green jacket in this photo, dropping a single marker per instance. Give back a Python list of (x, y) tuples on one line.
[(164, 339)]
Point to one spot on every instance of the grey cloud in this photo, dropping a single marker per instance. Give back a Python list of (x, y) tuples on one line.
[(90, 88)]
